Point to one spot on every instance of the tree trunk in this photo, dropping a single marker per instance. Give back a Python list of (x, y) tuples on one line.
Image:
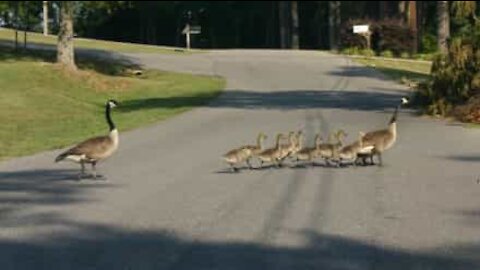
[(26, 22), (283, 23), (383, 10), (333, 23), (402, 10), (270, 27), (45, 18), (443, 30), (318, 25), (15, 19), (65, 50), (412, 23), (295, 26)]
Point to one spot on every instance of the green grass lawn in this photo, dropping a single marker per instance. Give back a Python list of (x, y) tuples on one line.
[(44, 107), (398, 69), (9, 35)]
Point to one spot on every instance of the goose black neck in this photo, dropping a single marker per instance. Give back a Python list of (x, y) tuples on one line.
[(395, 114), (109, 118)]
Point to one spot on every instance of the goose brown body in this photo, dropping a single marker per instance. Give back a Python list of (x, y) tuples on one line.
[(378, 141), (94, 149)]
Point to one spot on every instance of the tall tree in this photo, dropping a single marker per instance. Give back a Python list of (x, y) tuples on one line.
[(45, 18), (334, 23), (402, 10), (283, 23), (65, 49), (412, 23), (295, 25), (443, 29)]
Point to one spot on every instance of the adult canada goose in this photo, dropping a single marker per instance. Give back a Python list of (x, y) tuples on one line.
[(349, 152), (376, 142), (94, 149), (309, 153), (273, 154)]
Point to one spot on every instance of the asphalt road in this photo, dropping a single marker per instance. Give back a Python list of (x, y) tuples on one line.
[(170, 202)]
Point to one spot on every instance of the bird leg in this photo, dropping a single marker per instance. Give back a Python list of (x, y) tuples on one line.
[(233, 167), (277, 163), (82, 172), (94, 170), (248, 163)]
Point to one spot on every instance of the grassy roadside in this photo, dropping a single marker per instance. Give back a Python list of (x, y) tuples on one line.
[(8, 35), (399, 70), (44, 107)]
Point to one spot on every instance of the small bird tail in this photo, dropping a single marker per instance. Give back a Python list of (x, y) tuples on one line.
[(60, 157), (228, 159)]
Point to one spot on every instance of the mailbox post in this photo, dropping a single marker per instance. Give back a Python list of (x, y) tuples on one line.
[(363, 30), (190, 30)]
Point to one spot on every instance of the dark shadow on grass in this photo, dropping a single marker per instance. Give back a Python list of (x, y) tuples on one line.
[(398, 74), (103, 247), (281, 100), (378, 73), (104, 62)]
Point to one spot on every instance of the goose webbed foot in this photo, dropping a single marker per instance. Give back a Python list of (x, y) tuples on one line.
[(99, 177), (81, 176), (380, 161), (249, 164), (95, 175), (233, 169)]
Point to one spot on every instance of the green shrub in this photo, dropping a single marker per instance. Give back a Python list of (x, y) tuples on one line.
[(387, 53), (394, 35), (351, 51), (405, 55), (428, 43), (455, 82), (424, 56), (367, 52)]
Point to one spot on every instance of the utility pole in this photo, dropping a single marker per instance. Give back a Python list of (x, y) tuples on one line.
[(45, 18)]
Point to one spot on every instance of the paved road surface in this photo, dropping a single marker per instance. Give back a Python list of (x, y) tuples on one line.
[(170, 203)]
